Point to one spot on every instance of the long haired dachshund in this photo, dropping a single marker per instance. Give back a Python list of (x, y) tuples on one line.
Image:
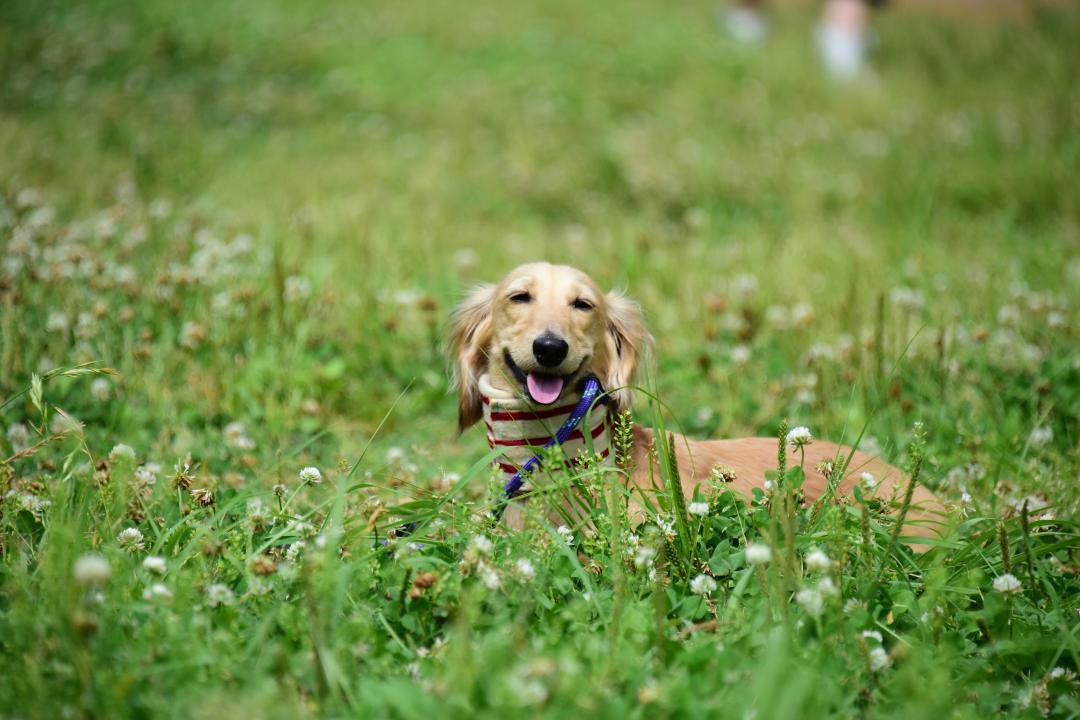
[(531, 339)]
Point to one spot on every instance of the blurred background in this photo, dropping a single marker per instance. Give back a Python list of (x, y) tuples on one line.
[(320, 181)]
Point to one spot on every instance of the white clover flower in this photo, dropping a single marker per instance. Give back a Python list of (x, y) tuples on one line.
[(744, 285), (191, 335), (19, 436), (868, 480), (818, 561), (1040, 436), (566, 534), (148, 474), (91, 569), (100, 389), (907, 298), (311, 475), (871, 635), (154, 564), (740, 354), (758, 554), (702, 585), (812, 601), (395, 455), (465, 259), (879, 659), (853, 605), (667, 526), (488, 576), (121, 452), (218, 594), (797, 437), (644, 557), (130, 539), (481, 544), (57, 322), (698, 508), (257, 512), (293, 553), (524, 569), (158, 591), (236, 436), (768, 486), (827, 587), (297, 287), (1007, 584), (802, 314)]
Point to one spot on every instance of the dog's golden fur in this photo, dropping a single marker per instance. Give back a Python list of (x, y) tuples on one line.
[(606, 334)]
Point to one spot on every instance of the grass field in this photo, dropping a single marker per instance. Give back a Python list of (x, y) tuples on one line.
[(231, 234)]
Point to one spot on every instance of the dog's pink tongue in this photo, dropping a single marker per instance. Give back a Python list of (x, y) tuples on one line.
[(544, 389)]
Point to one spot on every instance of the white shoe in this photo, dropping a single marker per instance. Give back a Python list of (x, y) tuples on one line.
[(842, 52), (746, 25)]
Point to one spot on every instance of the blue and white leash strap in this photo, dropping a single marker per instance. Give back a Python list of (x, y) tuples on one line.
[(590, 392)]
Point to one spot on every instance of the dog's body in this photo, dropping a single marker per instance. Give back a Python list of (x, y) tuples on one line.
[(544, 327)]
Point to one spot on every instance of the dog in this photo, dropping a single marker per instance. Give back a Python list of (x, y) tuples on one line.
[(523, 347)]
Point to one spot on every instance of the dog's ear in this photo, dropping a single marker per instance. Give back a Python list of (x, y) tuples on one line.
[(626, 342), (470, 335)]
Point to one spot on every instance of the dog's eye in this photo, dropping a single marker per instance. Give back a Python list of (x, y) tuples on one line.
[(580, 304), (521, 297)]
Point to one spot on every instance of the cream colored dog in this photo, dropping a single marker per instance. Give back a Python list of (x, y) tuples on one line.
[(544, 327)]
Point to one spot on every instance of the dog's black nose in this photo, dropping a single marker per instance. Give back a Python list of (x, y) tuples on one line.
[(550, 349)]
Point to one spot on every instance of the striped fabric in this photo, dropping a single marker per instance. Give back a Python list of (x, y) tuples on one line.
[(521, 427)]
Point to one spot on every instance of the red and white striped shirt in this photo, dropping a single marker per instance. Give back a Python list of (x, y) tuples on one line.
[(520, 427)]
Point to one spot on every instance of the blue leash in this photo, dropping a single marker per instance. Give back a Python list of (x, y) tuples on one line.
[(589, 393)]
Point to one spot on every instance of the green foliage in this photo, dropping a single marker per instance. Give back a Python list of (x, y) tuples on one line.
[(230, 235)]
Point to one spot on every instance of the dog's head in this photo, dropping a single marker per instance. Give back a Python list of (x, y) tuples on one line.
[(540, 330)]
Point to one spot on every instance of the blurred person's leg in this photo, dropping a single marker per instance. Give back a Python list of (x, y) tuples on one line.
[(842, 37), (745, 21)]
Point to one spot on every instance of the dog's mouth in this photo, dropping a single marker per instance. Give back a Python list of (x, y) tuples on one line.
[(542, 388)]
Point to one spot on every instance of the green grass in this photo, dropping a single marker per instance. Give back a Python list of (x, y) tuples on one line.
[(261, 213)]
